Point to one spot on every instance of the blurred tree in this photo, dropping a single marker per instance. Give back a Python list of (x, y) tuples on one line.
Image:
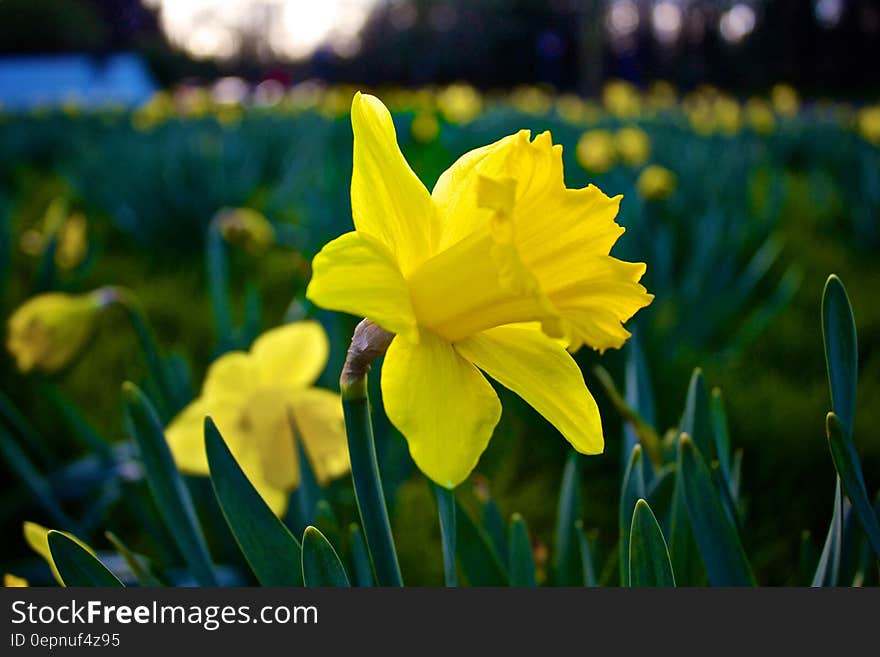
[(50, 26)]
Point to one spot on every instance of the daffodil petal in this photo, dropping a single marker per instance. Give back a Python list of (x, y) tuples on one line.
[(185, 438), (320, 426), (455, 193), (232, 375), (441, 403), (388, 201), (544, 374), (355, 274), (293, 355)]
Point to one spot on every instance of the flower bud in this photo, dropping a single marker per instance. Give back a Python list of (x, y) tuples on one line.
[(246, 228), (656, 183), (50, 330)]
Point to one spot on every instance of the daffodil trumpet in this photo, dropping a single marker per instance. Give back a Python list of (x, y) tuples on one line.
[(368, 343)]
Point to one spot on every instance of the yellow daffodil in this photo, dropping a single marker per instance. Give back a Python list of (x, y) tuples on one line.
[(576, 110), (37, 537), (159, 108), (459, 103), (246, 228), (728, 115), (759, 114), (12, 581), (785, 100), (662, 96), (261, 401), (596, 151), (655, 183), (49, 331), (869, 124), (425, 127), (633, 145), (495, 270), (72, 244), (69, 230), (622, 99), (531, 100)]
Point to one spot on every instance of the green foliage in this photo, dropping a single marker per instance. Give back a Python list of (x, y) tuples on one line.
[(271, 550), (648, 563), (76, 565), (320, 563), (166, 485)]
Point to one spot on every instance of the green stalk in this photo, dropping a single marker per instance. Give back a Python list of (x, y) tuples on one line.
[(218, 285), (368, 483), (149, 345), (446, 511)]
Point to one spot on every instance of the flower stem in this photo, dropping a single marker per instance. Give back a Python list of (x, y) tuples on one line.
[(446, 511), (147, 339), (365, 467)]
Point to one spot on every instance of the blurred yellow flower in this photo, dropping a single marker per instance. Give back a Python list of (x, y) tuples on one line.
[(70, 232), (246, 228), (37, 537), (11, 581), (655, 183), (596, 151), (459, 103), (494, 270), (662, 96), (727, 114), (869, 124), (760, 116), (785, 100), (159, 108), (633, 145), (425, 127), (50, 330), (262, 401), (622, 99), (531, 100), (72, 244)]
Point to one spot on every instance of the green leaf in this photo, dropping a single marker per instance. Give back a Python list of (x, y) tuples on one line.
[(683, 550), (841, 350), (828, 568), (522, 561), (649, 563), (218, 286), (567, 563), (138, 564), (695, 420), (478, 558), (40, 490), (646, 434), (720, 434), (716, 537), (368, 486), (76, 565), (363, 572), (632, 490), (493, 523), (166, 485), (446, 512), (586, 549), (846, 461), (638, 390), (270, 549), (320, 563)]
